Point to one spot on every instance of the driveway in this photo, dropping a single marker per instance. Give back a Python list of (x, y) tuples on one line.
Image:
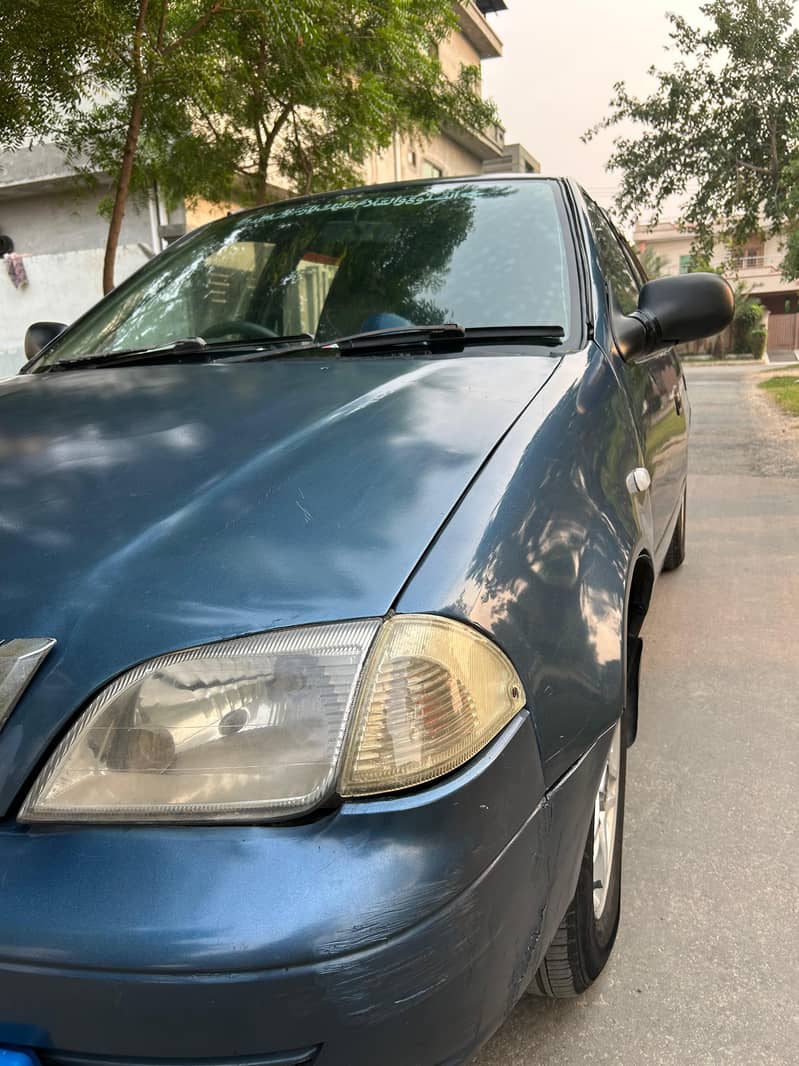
[(706, 968)]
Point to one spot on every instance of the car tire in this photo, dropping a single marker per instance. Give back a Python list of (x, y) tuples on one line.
[(584, 940), (675, 556)]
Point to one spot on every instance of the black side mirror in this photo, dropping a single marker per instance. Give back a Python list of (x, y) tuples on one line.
[(674, 310), (40, 334)]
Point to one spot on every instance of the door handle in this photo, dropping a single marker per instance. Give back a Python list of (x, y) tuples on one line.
[(638, 480)]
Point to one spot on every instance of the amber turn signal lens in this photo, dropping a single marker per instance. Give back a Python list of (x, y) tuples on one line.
[(433, 693)]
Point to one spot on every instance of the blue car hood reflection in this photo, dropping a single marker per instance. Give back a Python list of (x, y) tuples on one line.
[(151, 508)]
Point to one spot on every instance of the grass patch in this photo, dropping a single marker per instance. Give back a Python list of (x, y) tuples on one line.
[(785, 391)]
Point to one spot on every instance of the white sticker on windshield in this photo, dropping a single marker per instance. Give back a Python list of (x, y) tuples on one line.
[(460, 192)]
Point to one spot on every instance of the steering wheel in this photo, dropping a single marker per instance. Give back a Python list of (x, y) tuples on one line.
[(246, 331)]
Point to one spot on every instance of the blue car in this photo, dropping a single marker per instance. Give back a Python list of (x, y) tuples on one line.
[(326, 541)]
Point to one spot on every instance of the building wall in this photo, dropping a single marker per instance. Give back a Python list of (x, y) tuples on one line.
[(64, 221), (515, 159), (667, 242), (61, 239), (202, 212), (408, 160), (457, 52), (760, 271)]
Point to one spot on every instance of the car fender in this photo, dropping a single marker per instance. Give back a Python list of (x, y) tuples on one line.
[(541, 551)]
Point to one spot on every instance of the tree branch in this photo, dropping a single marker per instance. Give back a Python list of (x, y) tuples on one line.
[(305, 160), (194, 29), (752, 167), (278, 125), (208, 121), (138, 33), (162, 25)]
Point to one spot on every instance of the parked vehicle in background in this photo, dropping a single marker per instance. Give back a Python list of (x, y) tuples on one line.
[(329, 536)]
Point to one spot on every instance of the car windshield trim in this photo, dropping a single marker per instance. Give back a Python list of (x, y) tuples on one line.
[(333, 266)]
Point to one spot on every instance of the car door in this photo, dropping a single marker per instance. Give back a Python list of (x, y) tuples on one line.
[(654, 383)]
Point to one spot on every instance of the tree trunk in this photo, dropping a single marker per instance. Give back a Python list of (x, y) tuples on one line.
[(265, 146), (129, 152), (121, 192), (261, 182)]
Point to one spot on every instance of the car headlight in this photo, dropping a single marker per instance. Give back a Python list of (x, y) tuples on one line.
[(268, 727)]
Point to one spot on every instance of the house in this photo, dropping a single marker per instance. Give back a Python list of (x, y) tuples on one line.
[(50, 219), (756, 265), (456, 150)]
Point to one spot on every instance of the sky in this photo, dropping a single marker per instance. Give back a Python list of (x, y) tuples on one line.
[(561, 60)]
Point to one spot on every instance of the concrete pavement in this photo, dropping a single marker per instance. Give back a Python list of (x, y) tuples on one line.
[(706, 967)]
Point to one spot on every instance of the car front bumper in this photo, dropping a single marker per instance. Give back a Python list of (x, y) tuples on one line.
[(399, 931)]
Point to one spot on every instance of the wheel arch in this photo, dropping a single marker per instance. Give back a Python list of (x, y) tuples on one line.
[(638, 599)]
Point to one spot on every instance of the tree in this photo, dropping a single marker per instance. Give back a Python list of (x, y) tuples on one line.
[(205, 97), (720, 129), (142, 58), (653, 264), (44, 48), (310, 90)]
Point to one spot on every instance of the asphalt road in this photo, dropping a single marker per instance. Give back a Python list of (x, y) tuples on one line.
[(706, 966)]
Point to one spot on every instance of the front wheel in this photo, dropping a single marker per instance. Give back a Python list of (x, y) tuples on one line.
[(585, 937), (675, 556)]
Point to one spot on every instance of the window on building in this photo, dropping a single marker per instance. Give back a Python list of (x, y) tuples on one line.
[(412, 157), (753, 254), (430, 170), (749, 253)]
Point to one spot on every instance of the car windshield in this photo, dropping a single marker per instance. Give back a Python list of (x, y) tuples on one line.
[(479, 254)]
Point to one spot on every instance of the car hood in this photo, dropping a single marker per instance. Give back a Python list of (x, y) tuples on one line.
[(151, 508)]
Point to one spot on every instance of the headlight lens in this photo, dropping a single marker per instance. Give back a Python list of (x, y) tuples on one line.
[(244, 730), (259, 728)]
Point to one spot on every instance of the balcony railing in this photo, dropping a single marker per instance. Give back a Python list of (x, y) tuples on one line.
[(754, 262)]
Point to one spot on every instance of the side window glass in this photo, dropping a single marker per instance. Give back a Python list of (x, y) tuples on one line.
[(624, 285)]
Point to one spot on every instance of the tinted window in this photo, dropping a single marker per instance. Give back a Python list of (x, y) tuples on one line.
[(480, 254), (616, 267)]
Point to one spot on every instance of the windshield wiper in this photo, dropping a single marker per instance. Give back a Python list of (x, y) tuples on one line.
[(398, 337), (193, 348), (187, 350), (546, 336), (447, 337)]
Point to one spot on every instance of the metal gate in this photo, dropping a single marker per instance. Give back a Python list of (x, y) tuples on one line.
[(783, 333)]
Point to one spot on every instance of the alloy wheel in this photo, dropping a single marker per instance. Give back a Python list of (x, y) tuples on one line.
[(606, 807)]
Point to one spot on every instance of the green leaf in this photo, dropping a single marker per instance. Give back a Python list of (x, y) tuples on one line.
[(720, 128)]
